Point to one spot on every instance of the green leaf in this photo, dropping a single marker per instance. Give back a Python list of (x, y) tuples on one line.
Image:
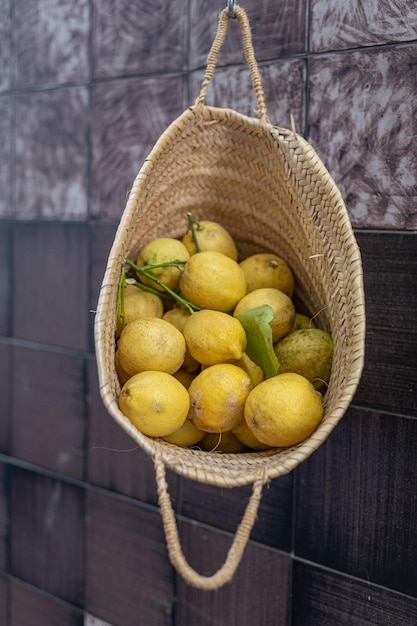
[(259, 346)]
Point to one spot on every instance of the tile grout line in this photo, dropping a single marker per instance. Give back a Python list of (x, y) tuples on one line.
[(149, 75), (357, 579)]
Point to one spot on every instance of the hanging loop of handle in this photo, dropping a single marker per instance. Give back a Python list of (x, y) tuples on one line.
[(240, 540), (231, 4), (223, 24)]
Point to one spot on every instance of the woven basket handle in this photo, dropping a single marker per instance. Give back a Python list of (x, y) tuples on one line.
[(223, 24), (227, 570)]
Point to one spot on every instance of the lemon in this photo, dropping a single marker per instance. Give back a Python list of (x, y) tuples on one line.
[(309, 352), (212, 280), (281, 304), (214, 337), (222, 442), (184, 377), (302, 321), (187, 435), (243, 433), (211, 236), (159, 251), (138, 303), (178, 316), (190, 364), (122, 375), (283, 410), (155, 402), (217, 397), (255, 372), (268, 270), (151, 344)]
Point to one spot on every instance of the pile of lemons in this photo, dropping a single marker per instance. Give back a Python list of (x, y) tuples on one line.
[(211, 352)]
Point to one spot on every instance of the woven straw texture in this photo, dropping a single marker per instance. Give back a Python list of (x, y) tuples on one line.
[(269, 188)]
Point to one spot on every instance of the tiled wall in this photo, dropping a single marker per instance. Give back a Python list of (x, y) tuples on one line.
[(86, 88)]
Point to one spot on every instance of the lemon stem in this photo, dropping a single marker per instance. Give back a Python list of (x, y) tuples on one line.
[(192, 224), (144, 272), (143, 287), (177, 263)]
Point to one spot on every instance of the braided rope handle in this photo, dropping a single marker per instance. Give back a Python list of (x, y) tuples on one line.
[(240, 540), (223, 25)]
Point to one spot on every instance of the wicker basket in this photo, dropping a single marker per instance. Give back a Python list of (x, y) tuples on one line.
[(269, 188)]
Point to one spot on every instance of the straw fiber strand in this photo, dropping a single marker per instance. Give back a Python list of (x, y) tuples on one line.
[(269, 188)]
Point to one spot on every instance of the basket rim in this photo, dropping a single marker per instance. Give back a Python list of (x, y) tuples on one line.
[(226, 470)]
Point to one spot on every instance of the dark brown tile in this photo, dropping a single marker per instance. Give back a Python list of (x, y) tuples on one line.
[(138, 37), (51, 301), (5, 46), (129, 577), (278, 29), (47, 522), (352, 23), (6, 352), (52, 154), (51, 42), (128, 118), (4, 519), (355, 508), (389, 380), (6, 156), (91, 620), (4, 599), (283, 85), (29, 607), (101, 240), (258, 593), (102, 236), (49, 407), (6, 278), (362, 122), (224, 508), (324, 598)]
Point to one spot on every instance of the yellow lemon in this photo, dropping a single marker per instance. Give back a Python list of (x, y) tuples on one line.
[(122, 375), (138, 303), (155, 402), (211, 236), (158, 252), (268, 270), (281, 304), (309, 352), (212, 280), (151, 344), (184, 377), (243, 433), (217, 397), (187, 435), (222, 442), (302, 321), (178, 316), (214, 337), (190, 364), (283, 410), (255, 372)]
